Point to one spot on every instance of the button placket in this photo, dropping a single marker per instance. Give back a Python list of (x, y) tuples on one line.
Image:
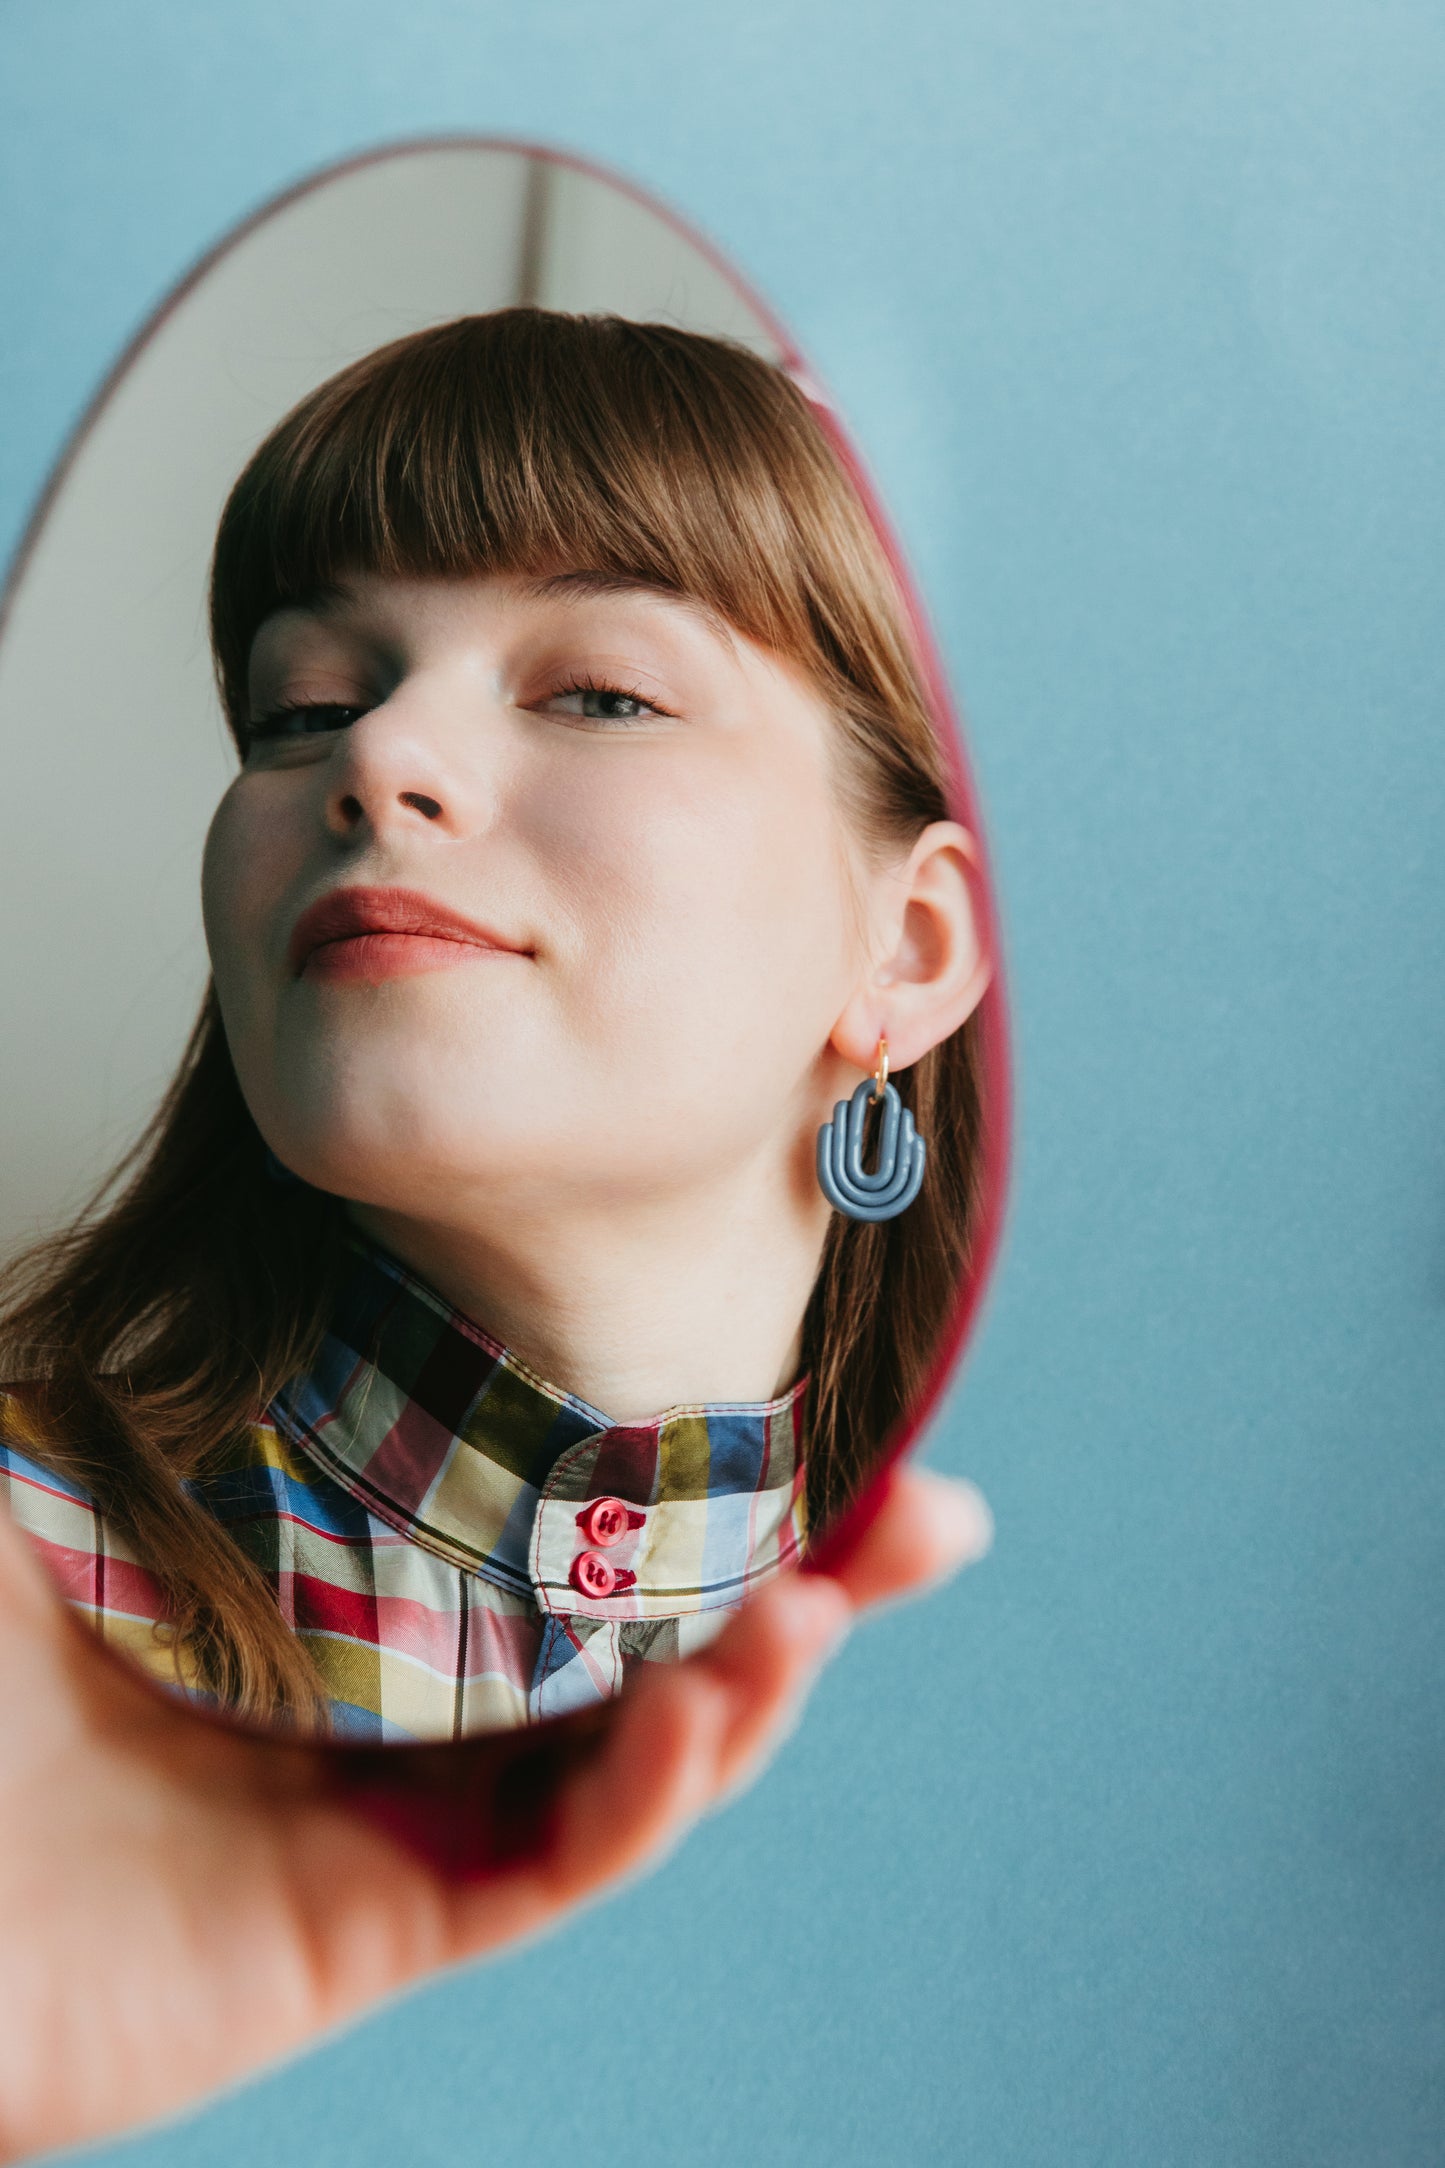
[(585, 1551)]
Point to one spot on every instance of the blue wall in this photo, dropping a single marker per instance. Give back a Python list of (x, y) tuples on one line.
[(1128, 1849)]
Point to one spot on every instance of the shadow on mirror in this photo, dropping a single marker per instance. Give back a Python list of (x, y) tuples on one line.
[(580, 1176)]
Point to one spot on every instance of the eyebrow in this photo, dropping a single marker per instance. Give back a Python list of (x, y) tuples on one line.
[(587, 582)]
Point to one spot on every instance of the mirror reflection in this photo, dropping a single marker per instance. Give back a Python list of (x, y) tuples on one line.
[(570, 1183)]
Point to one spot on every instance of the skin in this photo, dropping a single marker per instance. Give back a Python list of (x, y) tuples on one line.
[(183, 1905), (708, 956)]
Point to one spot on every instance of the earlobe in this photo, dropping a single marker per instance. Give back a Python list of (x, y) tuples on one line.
[(935, 967)]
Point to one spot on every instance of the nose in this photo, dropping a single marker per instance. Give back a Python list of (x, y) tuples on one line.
[(395, 770)]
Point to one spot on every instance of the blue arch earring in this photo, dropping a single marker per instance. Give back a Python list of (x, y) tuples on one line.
[(898, 1176)]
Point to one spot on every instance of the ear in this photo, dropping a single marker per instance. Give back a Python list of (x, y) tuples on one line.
[(930, 967)]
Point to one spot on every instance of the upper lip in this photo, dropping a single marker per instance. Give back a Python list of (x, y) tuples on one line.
[(346, 912)]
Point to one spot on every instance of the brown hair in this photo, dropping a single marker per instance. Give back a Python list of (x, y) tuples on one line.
[(155, 1328)]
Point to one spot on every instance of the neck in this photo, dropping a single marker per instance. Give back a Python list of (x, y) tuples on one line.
[(634, 1309)]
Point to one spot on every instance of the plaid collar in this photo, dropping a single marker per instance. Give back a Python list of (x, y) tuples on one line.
[(449, 1437)]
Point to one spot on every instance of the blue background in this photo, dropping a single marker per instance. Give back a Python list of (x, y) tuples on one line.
[(1128, 1848)]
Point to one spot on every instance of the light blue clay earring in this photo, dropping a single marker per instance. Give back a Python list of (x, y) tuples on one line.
[(898, 1176)]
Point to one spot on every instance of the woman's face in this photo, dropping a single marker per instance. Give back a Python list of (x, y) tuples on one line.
[(624, 818)]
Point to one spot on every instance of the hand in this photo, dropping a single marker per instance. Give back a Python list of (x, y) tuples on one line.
[(182, 1904)]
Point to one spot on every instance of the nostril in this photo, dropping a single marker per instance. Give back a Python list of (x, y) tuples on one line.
[(351, 810), (429, 806)]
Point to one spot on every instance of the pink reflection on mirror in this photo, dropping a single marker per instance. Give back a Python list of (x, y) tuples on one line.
[(503, 1291)]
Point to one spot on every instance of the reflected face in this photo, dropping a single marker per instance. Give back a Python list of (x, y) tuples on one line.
[(600, 907)]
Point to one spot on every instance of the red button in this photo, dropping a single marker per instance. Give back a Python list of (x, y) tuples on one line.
[(592, 1574), (605, 1522)]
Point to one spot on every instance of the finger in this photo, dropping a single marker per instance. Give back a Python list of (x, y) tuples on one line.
[(689, 1735), (652, 1780), (928, 1527), (682, 1730), (769, 1657), (617, 1813), (679, 1734)]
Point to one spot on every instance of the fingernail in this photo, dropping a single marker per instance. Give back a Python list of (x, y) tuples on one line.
[(961, 1519), (820, 1614)]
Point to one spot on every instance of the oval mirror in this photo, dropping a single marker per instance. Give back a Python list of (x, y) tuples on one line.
[(583, 1171)]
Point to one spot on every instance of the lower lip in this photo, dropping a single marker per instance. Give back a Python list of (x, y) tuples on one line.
[(392, 956)]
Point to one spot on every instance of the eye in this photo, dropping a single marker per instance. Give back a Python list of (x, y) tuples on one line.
[(301, 718), (595, 702)]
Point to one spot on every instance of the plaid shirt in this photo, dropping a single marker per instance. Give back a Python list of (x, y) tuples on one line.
[(461, 1546)]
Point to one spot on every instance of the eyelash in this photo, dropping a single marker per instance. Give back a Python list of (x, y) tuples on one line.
[(586, 683), (269, 727)]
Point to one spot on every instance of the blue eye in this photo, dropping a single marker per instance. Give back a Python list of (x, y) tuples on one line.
[(598, 703), (298, 719)]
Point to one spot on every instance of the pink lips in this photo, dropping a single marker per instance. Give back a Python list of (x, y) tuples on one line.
[(386, 933)]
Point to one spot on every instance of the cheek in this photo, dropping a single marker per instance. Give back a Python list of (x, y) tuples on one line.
[(707, 887), (245, 867)]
